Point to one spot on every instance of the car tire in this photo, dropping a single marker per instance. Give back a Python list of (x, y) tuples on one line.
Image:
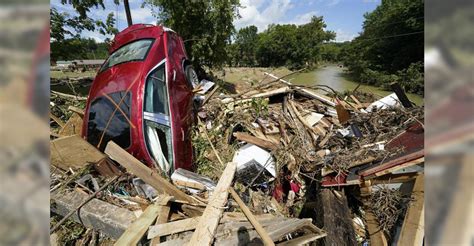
[(191, 76)]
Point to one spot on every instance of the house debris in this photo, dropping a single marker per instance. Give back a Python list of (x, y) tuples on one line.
[(275, 164)]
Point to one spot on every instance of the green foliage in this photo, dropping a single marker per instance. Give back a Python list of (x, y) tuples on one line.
[(246, 41), (82, 49), (205, 25), (280, 45), (332, 52), (61, 23), (391, 46)]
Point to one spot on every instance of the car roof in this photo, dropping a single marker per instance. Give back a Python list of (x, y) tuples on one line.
[(135, 32)]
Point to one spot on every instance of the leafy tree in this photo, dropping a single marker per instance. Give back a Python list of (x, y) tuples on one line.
[(391, 41), (292, 46), (62, 22), (205, 25), (246, 41), (83, 49)]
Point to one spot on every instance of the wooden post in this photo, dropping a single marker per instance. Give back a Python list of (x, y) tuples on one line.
[(206, 229), (401, 95), (138, 228), (413, 228), (259, 228), (148, 175)]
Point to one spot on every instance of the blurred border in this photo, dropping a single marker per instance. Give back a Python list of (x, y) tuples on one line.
[(449, 83), (24, 130)]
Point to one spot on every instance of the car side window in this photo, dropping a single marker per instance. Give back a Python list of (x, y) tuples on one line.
[(156, 95), (109, 122)]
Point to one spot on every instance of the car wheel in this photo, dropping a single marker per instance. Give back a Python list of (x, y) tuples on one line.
[(191, 76)]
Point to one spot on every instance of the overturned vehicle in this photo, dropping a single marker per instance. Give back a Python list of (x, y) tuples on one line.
[(142, 98)]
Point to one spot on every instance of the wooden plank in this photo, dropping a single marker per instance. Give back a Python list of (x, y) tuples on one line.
[(204, 234), (189, 184), (401, 95), (359, 105), (263, 234), (138, 228), (392, 163), (404, 165), (76, 110), (56, 119), (73, 126), (413, 227), (73, 152), (174, 227), (254, 140), (191, 223), (395, 178), (163, 215), (342, 114), (148, 175)]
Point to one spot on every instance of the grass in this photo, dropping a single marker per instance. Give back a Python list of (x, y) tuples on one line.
[(243, 77), (69, 74)]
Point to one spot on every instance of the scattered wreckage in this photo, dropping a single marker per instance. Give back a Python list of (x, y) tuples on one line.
[(275, 164), (292, 159)]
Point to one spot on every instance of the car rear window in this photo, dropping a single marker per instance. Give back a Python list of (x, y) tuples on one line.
[(108, 122), (135, 51)]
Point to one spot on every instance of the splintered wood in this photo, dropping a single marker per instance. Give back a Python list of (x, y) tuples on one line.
[(204, 234)]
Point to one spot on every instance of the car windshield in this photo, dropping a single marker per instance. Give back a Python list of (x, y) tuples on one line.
[(135, 51)]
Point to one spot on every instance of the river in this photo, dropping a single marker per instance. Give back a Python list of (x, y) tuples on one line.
[(334, 76)]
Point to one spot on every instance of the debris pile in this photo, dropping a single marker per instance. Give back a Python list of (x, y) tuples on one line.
[(271, 164)]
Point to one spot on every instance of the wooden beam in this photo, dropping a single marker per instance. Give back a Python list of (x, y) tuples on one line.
[(205, 230), (173, 227), (163, 215), (413, 228), (148, 175), (73, 126), (73, 152), (138, 228), (395, 178), (263, 234), (76, 110), (56, 119), (254, 140)]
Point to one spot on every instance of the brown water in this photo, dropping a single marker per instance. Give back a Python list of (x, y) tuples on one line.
[(334, 76)]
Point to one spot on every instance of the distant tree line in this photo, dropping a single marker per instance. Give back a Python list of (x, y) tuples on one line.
[(390, 47), (279, 45), (78, 49)]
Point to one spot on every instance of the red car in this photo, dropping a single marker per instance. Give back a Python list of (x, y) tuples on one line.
[(142, 98)]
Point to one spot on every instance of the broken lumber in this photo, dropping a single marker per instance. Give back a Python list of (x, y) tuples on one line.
[(263, 234), (76, 110), (73, 126), (138, 228), (56, 119), (164, 210), (68, 96), (413, 227), (73, 152), (254, 140), (206, 229), (173, 227), (148, 175), (401, 95)]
